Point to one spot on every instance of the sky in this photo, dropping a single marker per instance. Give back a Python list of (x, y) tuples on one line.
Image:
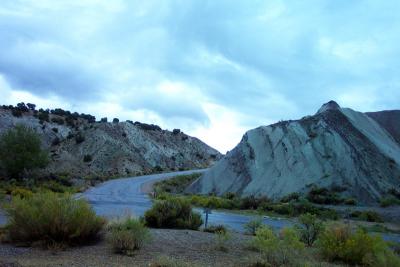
[(213, 68)]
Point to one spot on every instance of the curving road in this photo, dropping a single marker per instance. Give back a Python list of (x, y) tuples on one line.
[(126, 196)]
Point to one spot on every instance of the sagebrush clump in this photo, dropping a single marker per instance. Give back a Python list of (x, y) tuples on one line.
[(340, 243), (127, 235), (52, 219), (173, 213)]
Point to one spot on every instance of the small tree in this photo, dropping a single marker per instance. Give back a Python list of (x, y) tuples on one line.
[(20, 150), (310, 228)]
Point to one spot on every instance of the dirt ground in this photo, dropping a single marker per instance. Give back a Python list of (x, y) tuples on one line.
[(194, 247)]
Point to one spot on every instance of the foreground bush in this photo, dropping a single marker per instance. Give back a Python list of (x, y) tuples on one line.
[(51, 219), (252, 226), (173, 213), (310, 228), (127, 235), (221, 240), (278, 250), (215, 229), (339, 243)]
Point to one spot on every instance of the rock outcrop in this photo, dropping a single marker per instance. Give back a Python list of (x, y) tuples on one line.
[(80, 147), (336, 147)]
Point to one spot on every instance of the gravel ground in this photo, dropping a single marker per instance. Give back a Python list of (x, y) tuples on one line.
[(195, 247)]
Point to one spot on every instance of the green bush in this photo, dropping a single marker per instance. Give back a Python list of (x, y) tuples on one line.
[(323, 196), (310, 228), (215, 229), (221, 240), (52, 219), (389, 201), (278, 250), (252, 226), (127, 235), (173, 213), (339, 243), (350, 201), (20, 150), (369, 216), (22, 193)]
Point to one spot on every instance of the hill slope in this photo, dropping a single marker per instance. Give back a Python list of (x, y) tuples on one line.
[(335, 148), (81, 147)]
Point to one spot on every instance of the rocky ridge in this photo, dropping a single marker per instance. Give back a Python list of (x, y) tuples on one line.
[(79, 146), (335, 148)]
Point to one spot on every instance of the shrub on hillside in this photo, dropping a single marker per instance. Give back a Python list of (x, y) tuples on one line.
[(339, 243), (87, 158), (173, 213), (324, 196), (20, 151), (389, 201), (127, 235), (51, 219)]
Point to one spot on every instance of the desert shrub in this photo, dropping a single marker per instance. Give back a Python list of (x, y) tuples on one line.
[(215, 228), (173, 213), (278, 250), (57, 120), (127, 235), (252, 202), (87, 158), (252, 226), (21, 193), (20, 150), (369, 216), (56, 141), (52, 219), (79, 138), (291, 197), (389, 201), (221, 240), (324, 196), (350, 201), (176, 184), (339, 243), (310, 228)]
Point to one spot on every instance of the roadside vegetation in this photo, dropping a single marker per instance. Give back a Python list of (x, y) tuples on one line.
[(173, 213), (292, 205), (51, 220)]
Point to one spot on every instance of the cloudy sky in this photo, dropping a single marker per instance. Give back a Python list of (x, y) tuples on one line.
[(212, 68)]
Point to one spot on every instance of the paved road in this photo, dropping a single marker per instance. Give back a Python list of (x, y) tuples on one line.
[(125, 196)]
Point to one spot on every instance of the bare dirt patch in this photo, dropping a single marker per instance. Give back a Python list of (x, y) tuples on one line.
[(190, 246)]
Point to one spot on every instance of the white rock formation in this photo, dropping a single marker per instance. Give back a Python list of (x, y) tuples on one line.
[(335, 147)]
